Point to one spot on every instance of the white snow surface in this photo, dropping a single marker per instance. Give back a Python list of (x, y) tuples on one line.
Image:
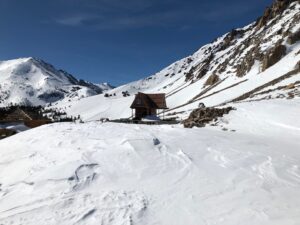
[(121, 174)]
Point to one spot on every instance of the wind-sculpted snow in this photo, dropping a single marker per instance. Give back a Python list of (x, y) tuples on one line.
[(118, 174)]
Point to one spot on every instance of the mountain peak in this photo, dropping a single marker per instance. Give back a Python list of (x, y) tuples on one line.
[(33, 81)]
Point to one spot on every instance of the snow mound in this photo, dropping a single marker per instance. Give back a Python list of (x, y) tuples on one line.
[(116, 174)]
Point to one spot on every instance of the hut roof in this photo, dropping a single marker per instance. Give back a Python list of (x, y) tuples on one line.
[(154, 101), (19, 115)]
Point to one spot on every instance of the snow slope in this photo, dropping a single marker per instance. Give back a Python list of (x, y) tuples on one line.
[(119, 174), (31, 81), (241, 59)]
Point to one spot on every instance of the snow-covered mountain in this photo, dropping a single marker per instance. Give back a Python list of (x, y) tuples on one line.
[(32, 81), (105, 86), (258, 61)]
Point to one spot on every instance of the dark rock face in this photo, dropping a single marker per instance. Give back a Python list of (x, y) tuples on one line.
[(200, 117), (276, 9), (213, 79), (52, 96), (297, 67), (293, 38), (273, 56), (236, 52), (271, 83), (205, 67), (231, 36), (200, 70)]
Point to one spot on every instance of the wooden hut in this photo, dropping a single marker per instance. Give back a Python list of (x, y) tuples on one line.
[(148, 104), (18, 115), (29, 118)]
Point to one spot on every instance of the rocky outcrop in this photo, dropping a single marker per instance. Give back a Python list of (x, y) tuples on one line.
[(273, 56), (213, 79), (271, 83), (297, 67), (204, 68), (200, 117), (200, 70), (231, 36), (270, 13), (293, 38), (236, 52)]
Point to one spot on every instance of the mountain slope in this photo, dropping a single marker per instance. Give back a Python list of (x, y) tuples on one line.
[(32, 81), (261, 60)]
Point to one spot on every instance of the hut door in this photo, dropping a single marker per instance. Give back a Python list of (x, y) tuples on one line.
[(153, 112), (141, 112)]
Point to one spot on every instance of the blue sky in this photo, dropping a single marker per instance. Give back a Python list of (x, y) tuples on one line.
[(116, 40)]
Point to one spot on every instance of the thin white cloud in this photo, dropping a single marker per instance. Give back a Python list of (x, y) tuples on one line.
[(120, 14), (75, 20), (221, 12)]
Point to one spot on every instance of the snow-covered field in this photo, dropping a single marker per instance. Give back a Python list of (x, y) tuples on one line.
[(109, 173), (245, 170)]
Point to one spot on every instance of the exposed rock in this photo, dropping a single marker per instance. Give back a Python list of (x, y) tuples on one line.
[(240, 49), (200, 117), (201, 105), (230, 37), (213, 79), (245, 66), (297, 67), (273, 56), (290, 86), (190, 75), (251, 56), (293, 38), (200, 70), (270, 13), (204, 68), (271, 83)]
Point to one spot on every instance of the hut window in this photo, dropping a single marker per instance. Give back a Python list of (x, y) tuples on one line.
[(138, 101)]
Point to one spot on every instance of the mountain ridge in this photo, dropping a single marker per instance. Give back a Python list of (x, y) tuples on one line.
[(32, 81)]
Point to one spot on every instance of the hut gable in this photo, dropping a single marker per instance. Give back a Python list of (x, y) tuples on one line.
[(149, 101), (148, 104), (18, 115)]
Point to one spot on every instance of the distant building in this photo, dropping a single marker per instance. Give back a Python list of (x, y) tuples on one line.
[(28, 118), (148, 104), (19, 115)]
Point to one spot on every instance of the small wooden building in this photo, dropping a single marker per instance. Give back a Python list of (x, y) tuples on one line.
[(28, 118), (19, 115), (148, 104)]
